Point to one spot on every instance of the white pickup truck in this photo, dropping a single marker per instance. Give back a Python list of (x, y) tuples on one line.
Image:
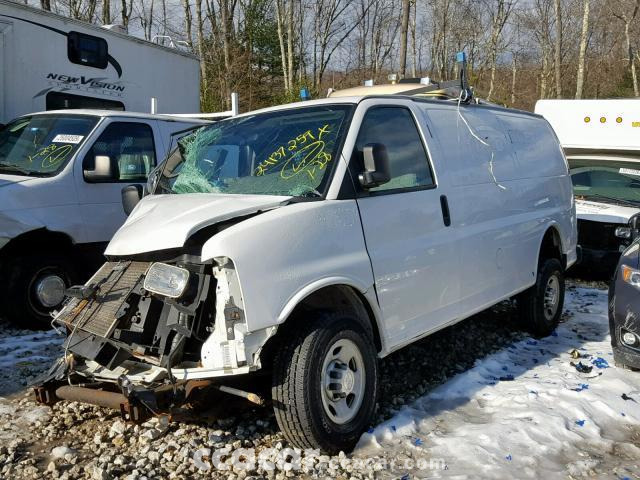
[(308, 240), (61, 176)]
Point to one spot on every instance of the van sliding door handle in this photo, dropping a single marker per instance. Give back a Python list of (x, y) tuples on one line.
[(446, 216)]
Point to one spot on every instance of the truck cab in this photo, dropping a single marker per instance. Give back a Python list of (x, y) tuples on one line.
[(61, 177)]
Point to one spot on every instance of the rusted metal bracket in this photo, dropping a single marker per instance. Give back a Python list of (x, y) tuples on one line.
[(46, 394), (134, 412)]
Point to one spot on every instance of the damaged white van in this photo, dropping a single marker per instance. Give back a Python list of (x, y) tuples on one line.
[(309, 240)]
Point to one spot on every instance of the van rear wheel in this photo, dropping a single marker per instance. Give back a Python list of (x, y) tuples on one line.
[(325, 383), (540, 307), (35, 288)]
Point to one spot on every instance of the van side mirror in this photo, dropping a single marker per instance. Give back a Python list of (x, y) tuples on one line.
[(104, 170), (376, 166), (131, 195)]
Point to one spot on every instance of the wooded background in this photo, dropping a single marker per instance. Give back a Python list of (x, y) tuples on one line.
[(266, 50)]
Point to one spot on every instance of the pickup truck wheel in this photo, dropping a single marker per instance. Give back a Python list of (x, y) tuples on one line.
[(540, 307), (35, 288), (325, 383)]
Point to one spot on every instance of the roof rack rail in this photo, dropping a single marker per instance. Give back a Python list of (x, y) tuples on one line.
[(450, 89)]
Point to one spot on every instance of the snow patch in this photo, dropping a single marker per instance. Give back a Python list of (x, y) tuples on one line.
[(525, 411)]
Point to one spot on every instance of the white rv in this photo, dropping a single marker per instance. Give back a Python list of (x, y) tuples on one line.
[(49, 62), (601, 140)]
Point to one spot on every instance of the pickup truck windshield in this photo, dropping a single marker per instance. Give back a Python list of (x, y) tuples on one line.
[(617, 183), (41, 145), (288, 152)]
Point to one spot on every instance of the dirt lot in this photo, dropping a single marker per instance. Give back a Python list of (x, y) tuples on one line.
[(454, 370)]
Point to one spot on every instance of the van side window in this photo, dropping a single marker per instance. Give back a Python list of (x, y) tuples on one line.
[(87, 50), (394, 127), (131, 145)]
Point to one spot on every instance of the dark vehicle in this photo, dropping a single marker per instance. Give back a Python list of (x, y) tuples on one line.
[(624, 309)]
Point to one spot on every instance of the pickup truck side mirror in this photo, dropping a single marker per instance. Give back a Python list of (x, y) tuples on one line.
[(131, 195), (376, 166), (104, 170)]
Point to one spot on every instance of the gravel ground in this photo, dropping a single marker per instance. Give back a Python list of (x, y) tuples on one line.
[(72, 440)]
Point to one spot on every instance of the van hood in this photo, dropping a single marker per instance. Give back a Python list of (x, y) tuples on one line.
[(604, 212), (12, 179), (161, 222)]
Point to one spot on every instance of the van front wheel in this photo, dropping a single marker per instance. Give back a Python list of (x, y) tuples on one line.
[(35, 288), (325, 383), (540, 307)]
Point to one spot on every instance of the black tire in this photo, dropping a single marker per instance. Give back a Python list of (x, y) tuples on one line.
[(23, 273), (534, 311), (297, 389)]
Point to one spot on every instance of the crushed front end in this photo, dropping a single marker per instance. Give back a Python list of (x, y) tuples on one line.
[(142, 336)]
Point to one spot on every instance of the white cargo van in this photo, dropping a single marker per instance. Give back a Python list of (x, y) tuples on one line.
[(51, 62), (61, 177), (601, 140), (306, 241)]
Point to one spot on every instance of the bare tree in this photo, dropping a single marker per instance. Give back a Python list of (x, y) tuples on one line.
[(106, 12), (414, 48), (557, 56), (200, 35), (187, 20), (500, 11), (280, 20), (584, 37), (125, 12), (406, 4), (620, 11)]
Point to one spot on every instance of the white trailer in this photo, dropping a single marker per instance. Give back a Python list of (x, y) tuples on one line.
[(601, 140), (50, 62)]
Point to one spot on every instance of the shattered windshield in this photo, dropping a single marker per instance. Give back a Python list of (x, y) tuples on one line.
[(41, 145), (614, 182), (288, 152)]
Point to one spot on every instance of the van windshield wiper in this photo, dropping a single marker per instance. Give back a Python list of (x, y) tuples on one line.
[(619, 201), (10, 167)]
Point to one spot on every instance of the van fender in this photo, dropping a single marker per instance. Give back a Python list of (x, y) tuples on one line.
[(555, 226), (316, 285), (369, 298)]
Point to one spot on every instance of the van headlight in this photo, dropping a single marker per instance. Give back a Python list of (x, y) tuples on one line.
[(167, 280)]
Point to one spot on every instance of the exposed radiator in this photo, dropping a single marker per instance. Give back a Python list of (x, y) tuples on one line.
[(99, 314)]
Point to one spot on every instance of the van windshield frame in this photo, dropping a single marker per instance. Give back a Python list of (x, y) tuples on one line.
[(285, 152), (42, 145)]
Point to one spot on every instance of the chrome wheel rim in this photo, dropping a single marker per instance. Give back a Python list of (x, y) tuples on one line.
[(49, 290), (343, 381), (551, 297)]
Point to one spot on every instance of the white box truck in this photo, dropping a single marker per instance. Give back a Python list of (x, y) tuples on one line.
[(601, 140), (49, 62)]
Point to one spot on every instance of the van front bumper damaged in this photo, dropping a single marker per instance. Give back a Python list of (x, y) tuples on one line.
[(137, 343)]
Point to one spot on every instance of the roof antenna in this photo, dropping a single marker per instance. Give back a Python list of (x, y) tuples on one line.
[(466, 94)]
